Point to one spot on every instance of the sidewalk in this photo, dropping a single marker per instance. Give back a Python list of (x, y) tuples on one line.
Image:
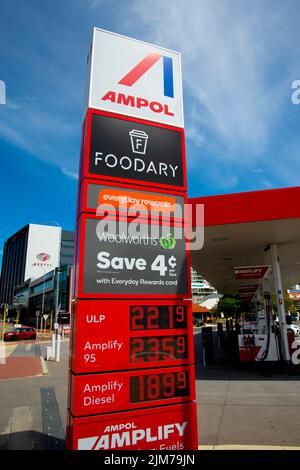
[(21, 359)]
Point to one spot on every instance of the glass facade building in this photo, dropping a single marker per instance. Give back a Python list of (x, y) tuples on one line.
[(21, 256), (13, 264)]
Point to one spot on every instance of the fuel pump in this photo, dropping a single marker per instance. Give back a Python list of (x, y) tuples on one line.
[(259, 340)]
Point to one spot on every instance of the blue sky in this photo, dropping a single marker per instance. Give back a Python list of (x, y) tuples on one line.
[(239, 59)]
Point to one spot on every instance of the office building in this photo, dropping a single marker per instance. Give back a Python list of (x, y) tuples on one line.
[(202, 292), (31, 253)]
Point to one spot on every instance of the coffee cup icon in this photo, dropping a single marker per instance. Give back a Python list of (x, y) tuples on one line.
[(138, 141)]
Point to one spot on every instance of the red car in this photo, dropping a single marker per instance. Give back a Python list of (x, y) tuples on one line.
[(25, 332)]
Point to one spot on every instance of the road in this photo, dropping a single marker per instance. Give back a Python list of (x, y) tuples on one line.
[(238, 407)]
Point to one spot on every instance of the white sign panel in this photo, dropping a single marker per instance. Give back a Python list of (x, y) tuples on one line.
[(43, 250), (134, 78)]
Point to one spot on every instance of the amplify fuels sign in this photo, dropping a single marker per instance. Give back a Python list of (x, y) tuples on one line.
[(133, 78)]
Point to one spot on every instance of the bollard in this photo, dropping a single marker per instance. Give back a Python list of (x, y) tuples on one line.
[(57, 355), (53, 345), (49, 353)]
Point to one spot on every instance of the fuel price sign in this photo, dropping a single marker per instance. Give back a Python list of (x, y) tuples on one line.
[(121, 391), (127, 335)]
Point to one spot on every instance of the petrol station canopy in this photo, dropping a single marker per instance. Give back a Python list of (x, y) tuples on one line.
[(238, 230)]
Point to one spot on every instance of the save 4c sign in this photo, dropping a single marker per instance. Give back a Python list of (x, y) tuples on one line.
[(127, 259)]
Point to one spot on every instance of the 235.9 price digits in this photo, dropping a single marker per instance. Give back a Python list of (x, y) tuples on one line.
[(158, 348)]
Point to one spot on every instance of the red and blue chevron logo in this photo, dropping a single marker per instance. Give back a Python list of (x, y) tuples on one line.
[(144, 65)]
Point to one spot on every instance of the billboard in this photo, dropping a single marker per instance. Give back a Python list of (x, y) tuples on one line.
[(134, 78), (43, 250), (131, 258), (122, 149)]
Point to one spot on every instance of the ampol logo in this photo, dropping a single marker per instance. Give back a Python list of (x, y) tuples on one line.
[(135, 74), (135, 78), (43, 256)]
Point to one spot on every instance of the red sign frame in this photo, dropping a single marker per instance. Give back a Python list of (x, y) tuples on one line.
[(161, 428), (112, 351), (84, 169)]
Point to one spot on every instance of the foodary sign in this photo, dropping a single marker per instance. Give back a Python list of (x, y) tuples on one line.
[(134, 78), (142, 153)]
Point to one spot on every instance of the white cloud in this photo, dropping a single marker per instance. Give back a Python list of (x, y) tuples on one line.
[(70, 174), (233, 55), (266, 183), (239, 59)]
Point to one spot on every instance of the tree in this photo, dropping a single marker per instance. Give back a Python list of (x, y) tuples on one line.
[(288, 303), (230, 306)]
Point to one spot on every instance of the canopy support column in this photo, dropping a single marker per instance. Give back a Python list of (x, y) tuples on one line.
[(280, 300)]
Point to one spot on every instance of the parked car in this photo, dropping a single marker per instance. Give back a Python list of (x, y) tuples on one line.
[(197, 322), (294, 328), (24, 332)]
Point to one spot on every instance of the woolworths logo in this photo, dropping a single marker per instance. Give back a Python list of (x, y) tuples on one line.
[(168, 242)]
